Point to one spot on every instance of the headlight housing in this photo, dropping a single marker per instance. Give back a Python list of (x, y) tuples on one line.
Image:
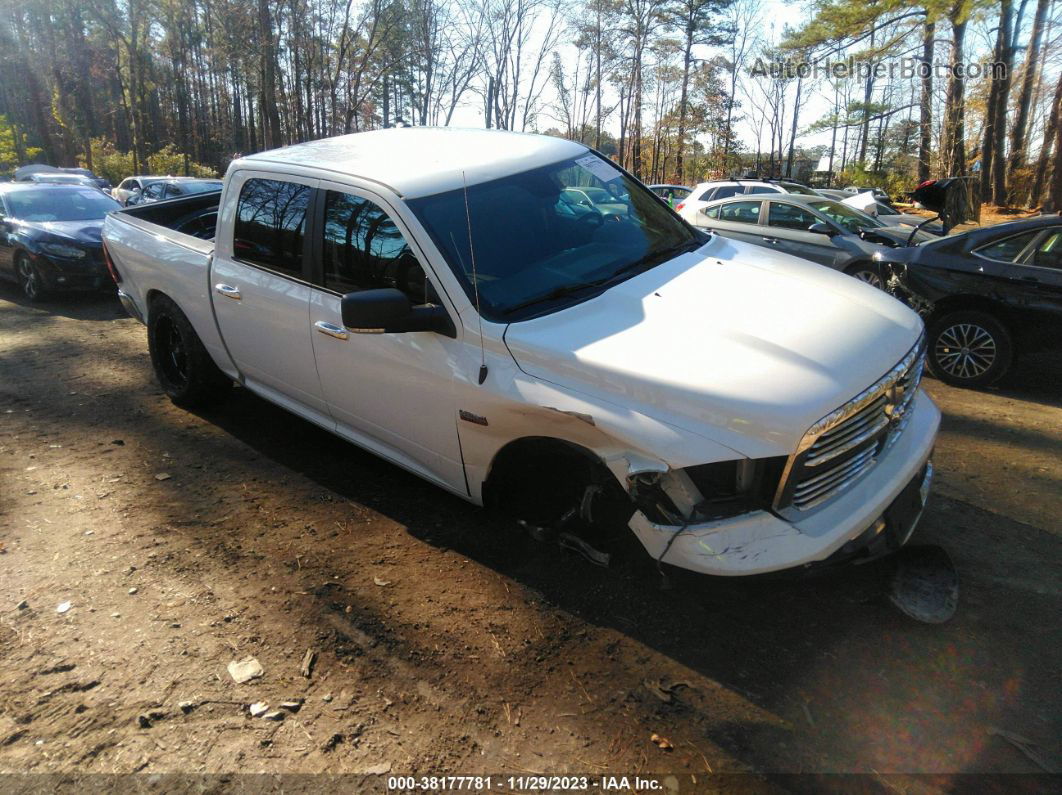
[(707, 492), (63, 250)]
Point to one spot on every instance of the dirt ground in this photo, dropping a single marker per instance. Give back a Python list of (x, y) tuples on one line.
[(446, 641)]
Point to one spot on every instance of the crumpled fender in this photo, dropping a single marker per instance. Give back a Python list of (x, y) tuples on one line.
[(627, 441)]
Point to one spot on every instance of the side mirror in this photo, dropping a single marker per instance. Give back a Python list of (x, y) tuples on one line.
[(389, 311), (822, 229)]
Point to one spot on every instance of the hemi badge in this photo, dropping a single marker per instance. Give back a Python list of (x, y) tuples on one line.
[(468, 416)]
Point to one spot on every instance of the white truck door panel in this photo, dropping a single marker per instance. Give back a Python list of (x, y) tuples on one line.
[(262, 312), (392, 393)]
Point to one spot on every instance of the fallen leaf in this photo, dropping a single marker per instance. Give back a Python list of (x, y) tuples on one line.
[(381, 583), (662, 743)]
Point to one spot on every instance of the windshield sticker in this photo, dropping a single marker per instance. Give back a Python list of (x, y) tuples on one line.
[(598, 167)]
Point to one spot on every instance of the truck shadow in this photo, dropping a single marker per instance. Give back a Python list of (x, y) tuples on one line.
[(829, 644)]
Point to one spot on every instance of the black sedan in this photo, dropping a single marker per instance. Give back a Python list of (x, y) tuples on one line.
[(50, 238), (986, 296)]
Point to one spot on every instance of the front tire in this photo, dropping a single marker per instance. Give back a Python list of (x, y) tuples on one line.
[(29, 280), (182, 365), (968, 348), (868, 273)]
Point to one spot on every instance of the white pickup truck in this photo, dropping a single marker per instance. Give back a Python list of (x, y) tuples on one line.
[(438, 297)]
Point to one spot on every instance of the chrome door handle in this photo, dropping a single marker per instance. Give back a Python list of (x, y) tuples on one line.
[(331, 329), (228, 291)]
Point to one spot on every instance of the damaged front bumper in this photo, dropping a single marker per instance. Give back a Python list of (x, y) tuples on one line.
[(876, 512)]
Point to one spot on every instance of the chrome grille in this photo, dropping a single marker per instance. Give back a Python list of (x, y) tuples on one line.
[(841, 447)]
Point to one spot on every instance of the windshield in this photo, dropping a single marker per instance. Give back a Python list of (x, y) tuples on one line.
[(198, 187), (59, 205), (848, 218), (793, 187), (536, 250)]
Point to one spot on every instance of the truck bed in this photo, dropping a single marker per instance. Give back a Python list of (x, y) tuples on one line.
[(153, 256)]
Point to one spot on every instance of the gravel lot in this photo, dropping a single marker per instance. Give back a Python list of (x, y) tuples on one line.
[(448, 642)]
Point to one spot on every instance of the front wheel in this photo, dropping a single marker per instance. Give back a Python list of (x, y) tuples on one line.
[(869, 273), (182, 365), (29, 280), (968, 348)]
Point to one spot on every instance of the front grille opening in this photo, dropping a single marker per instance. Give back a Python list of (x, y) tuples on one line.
[(731, 488), (844, 446)]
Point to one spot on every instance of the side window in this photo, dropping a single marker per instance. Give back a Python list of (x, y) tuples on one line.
[(726, 191), (173, 190), (788, 216), (1049, 253), (154, 190), (270, 225), (740, 212), (1008, 249), (763, 189), (364, 250)]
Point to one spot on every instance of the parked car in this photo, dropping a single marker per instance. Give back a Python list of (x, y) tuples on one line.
[(102, 183), (64, 179), (706, 192), (132, 186), (879, 193), (173, 188), (50, 237), (889, 214), (586, 199), (987, 296), (440, 308), (814, 228), (672, 194)]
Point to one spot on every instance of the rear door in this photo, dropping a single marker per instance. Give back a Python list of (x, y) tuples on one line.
[(1037, 278), (735, 219), (261, 293), (787, 230), (392, 392)]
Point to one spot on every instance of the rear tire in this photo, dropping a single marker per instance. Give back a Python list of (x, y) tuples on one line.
[(867, 272), (182, 365), (968, 348), (29, 280)]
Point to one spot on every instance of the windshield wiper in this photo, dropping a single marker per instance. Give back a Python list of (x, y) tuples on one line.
[(650, 260)]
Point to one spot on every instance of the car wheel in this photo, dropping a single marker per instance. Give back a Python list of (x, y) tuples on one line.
[(968, 348), (869, 273), (182, 365), (29, 279)]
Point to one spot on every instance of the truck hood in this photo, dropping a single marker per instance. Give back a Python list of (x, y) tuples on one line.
[(743, 346)]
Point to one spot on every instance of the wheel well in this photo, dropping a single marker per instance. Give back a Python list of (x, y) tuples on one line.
[(540, 474), (959, 303)]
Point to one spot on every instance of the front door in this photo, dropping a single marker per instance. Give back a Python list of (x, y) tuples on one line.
[(392, 393), (788, 226), (261, 293)]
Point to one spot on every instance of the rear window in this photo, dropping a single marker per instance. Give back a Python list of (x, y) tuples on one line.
[(270, 225)]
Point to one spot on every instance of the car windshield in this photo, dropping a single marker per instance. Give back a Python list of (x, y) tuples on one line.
[(535, 251), (793, 187), (848, 218), (59, 205), (198, 187)]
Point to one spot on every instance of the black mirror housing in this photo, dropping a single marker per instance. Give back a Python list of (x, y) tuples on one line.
[(821, 228), (389, 311)]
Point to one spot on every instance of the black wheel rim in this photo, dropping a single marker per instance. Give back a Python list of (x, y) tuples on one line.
[(28, 278), (173, 357), (965, 350)]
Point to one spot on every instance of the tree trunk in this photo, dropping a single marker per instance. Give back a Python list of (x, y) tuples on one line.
[(268, 106), (687, 58), (1018, 132), (1048, 167), (992, 110), (954, 142), (792, 134), (925, 105)]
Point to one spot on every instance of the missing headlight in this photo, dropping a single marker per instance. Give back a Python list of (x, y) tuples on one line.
[(707, 492)]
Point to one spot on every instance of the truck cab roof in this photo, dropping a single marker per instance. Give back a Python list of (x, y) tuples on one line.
[(421, 161)]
